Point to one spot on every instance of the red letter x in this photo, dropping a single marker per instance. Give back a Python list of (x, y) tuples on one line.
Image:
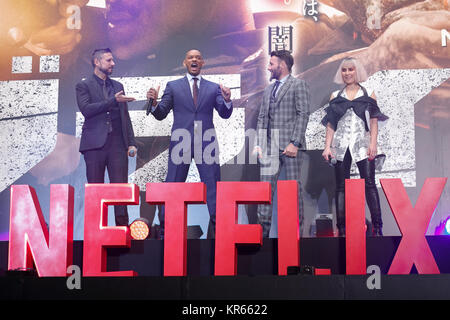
[(413, 224)]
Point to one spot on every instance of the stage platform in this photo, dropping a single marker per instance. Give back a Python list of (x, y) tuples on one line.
[(239, 288), (257, 278)]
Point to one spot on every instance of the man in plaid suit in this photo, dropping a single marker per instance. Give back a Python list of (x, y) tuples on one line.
[(281, 127)]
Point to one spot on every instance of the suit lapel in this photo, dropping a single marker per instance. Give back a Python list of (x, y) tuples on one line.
[(284, 88), (95, 84), (123, 105), (187, 92), (201, 91), (266, 97)]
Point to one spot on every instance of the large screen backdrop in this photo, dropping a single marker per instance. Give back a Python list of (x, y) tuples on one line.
[(46, 47)]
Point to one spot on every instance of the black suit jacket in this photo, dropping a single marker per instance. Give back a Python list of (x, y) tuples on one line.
[(95, 108)]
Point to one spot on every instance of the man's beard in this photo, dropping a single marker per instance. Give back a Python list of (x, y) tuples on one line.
[(105, 71), (275, 74)]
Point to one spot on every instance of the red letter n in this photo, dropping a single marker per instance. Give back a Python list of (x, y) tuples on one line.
[(29, 238)]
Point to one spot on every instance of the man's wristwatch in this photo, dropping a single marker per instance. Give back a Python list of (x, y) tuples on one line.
[(295, 143)]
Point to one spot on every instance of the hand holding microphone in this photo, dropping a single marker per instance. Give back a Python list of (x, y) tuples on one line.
[(327, 154), (152, 96), (132, 151), (332, 161)]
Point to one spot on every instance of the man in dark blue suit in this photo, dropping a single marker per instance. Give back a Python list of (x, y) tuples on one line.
[(107, 137), (193, 100)]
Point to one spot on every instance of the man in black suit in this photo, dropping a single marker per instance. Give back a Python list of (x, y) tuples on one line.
[(107, 137)]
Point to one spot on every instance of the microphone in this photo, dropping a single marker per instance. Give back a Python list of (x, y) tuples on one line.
[(150, 105), (332, 161)]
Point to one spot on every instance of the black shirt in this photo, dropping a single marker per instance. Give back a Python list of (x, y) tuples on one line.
[(107, 90)]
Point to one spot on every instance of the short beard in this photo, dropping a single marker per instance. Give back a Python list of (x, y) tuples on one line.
[(275, 74), (105, 71)]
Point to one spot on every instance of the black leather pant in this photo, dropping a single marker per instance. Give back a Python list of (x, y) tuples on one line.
[(367, 172)]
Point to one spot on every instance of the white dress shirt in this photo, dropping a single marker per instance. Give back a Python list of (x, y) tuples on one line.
[(190, 78), (351, 133)]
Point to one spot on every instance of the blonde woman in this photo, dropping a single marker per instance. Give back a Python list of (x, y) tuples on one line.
[(351, 134)]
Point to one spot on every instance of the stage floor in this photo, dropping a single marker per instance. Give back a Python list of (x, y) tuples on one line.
[(256, 280), (238, 288)]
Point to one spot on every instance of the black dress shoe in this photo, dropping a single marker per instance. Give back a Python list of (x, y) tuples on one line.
[(211, 233), (377, 232)]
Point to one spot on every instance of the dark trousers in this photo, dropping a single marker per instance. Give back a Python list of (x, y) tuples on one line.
[(275, 164), (113, 157), (209, 175), (366, 170)]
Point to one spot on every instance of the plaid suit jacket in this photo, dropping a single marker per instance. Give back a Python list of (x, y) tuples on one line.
[(291, 114)]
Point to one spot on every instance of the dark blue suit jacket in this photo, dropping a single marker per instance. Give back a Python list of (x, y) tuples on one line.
[(178, 97)]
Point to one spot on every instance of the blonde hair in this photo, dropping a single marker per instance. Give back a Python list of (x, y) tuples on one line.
[(361, 73)]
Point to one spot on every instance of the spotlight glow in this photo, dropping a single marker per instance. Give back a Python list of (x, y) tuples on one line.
[(97, 3), (447, 226), (139, 229)]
